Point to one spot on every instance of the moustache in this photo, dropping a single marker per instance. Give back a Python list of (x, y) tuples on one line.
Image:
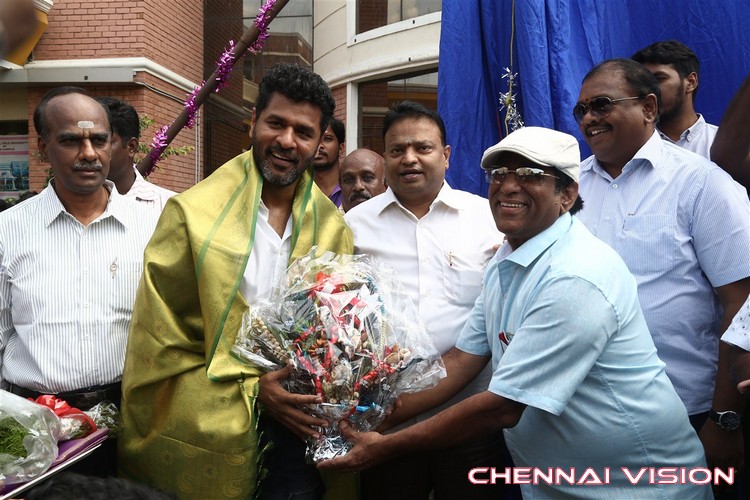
[(364, 196), (88, 165)]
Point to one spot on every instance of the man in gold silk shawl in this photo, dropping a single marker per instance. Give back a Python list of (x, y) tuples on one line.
[(189, 407)]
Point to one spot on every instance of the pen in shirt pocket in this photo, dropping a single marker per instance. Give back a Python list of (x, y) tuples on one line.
[(450, 259)]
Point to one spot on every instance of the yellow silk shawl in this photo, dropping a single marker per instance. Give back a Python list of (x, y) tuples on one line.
[(188, 406)]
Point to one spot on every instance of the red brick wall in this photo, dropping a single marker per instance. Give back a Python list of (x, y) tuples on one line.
[(339, 95), (186, 37), (173, 35), (225, 132), (176, 172), (79, 30), (169, 32), (373, 96)]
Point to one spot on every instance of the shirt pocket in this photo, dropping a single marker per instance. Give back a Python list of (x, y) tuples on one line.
[(649, 243), (125, 277), (462, 277)]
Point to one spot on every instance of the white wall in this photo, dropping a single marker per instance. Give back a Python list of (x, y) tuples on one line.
[(342, 57)]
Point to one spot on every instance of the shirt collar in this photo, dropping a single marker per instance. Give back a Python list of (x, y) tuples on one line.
[(533, 248), (650, 149), (143, 194), (117, 207), (690, 133), (447, 196)]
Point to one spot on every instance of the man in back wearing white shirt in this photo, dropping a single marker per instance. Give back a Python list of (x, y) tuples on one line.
[(677, 70), (438, 240), (70, 261), (126, 132)]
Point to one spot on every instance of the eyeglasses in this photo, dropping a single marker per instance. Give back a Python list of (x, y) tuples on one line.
[(602, 106), (524, 175)]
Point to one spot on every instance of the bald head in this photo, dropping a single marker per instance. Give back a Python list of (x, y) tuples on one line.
[(361, 177)]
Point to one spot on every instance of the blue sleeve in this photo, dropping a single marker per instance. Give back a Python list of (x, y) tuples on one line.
[(721, 229), (473, 336), (560, 339)]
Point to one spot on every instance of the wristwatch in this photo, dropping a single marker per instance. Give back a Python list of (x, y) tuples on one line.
[(727, 420)]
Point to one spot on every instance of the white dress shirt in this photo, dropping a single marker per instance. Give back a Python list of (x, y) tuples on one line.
[(698, 138), (268, 259), (149, 193), (67, 291), (439, 258), (738, 333)]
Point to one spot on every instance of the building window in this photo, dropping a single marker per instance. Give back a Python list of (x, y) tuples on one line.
[(376, 97), (372, 14)]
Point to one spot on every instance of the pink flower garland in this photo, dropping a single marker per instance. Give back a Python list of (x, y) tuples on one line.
[(261, 22), (158, 145)]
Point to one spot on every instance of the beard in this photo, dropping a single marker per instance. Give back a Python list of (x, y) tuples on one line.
[(270, 176), (324, 167), (668, 114)]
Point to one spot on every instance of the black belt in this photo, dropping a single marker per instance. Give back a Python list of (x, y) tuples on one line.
[(83, 399)]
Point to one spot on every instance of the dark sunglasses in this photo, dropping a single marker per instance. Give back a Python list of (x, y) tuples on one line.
[(602, 106), (524, 175)]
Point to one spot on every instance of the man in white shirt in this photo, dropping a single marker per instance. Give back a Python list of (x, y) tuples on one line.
[(70, 262), (438, 240), (677, 68), (126, 132)]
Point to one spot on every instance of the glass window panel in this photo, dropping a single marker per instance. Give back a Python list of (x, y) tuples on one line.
[(373, 14), (376, 97)]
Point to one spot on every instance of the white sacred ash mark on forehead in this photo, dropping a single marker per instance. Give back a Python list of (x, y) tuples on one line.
[(85, 124)]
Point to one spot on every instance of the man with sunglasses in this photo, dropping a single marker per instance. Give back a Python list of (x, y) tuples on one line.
[(575, 372), (682, 226), (677, 68)]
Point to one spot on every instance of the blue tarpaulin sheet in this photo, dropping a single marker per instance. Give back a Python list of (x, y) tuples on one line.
[(555, 43)]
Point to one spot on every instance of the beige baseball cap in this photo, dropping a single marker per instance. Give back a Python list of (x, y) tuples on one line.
[(543, 146)]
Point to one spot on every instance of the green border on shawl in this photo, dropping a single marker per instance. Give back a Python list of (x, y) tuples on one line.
[(248, 249)]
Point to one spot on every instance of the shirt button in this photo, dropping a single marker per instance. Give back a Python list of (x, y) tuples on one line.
[(614, 186), (606, 218)]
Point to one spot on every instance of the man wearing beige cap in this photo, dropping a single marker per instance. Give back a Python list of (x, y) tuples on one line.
[(576, 382)]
